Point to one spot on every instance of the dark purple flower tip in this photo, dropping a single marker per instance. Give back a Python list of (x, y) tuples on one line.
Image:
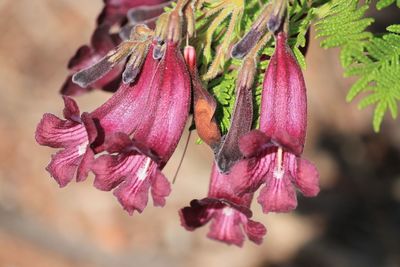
[(228, 153), (100, 44), (71, 135), (140, 14), (243, 47), (277, 15), (283, 115), (229, 212), (228, 221)]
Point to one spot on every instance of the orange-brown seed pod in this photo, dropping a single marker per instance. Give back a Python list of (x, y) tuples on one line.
[(204, 104)]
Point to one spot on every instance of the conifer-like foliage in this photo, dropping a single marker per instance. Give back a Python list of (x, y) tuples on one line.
[(373, 58)]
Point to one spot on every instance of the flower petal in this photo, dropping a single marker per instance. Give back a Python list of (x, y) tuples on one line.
[(196, 215), (134, 175), (248, 175), (63, 165), (278, 195), (133, 192), (254, 143), (255, 231), (169, 90), (307, 178), (107, 170), (225, 227), (160, 188), (71, 109), (85, 165), (54, 132)]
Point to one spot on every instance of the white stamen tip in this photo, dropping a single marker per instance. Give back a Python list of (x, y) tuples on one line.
[(228, 211), (278, 173), (142, 172), (82, 148)]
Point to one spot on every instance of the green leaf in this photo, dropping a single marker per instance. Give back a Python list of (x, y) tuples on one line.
[(375, 60), (394, 28), (383, 3), (378, 115)]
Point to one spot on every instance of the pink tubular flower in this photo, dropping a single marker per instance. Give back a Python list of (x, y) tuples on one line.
[(273, 153), (116, 115), (153, 111), (229, 213), (156, 135), (74, 134), (284, 100), (133, 171)]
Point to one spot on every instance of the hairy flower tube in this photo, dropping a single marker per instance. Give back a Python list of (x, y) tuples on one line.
[(124, 115), (273, 151)]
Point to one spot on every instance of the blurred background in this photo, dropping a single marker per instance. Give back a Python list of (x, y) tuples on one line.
[(355, 221)]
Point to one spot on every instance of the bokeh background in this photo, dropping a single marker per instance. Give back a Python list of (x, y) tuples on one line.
[(355, 221)]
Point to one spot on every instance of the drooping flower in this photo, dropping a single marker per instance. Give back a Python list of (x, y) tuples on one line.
[(273, 153), (75, 134), (116, 115), (159, 127), (132, 171), (229, 213), (284, 102), (153, 111)]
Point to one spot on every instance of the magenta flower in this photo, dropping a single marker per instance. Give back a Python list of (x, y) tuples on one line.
[(134, 170), (74, 134), (101, 43), (157, 132), (153, 111), (284, 100), (273, 153), (115, 11), (230, 214)]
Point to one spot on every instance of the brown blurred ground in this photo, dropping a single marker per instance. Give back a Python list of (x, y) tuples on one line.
[(354, 222)]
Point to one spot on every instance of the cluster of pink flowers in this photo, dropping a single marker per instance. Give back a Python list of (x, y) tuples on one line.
[(127, 141)]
